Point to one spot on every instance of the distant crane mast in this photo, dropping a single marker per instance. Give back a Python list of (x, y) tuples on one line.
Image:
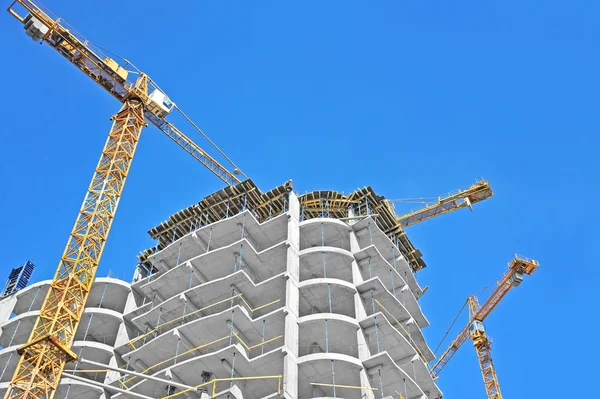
[(48, 349), (475, 329)]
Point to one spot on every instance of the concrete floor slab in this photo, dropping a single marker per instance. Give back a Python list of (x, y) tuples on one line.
[(371, 257), (210, 296), (336, 262), (206, 335), (31, 297), (324, 232), (315, 295), (368, 233), (219, 364), (78, 389), (393, 378), (398, 304), (319, 333), (259, 265), (223, 234), (389, 337), (18, 328), (109, 293), (103, 326), (317, 368), (422, 377), (394, 310), (94, 351)]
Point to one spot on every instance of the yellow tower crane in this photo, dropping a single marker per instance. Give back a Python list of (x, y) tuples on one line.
[(443, 204), (475, 330), (48, 349)]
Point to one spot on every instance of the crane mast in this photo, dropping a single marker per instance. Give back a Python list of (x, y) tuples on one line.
[(44, 356), (475, 330), (48, 349), (482, 345)]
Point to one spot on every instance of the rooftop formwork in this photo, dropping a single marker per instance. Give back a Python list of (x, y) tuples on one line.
[(264, 206)]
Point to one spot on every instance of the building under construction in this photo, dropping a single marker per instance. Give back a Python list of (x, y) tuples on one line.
[(246, 294), (253, 295)]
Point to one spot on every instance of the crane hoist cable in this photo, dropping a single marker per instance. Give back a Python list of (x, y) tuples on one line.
[(237, 169), (451, 325)]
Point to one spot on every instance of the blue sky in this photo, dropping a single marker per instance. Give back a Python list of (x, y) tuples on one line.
[(412, 98)]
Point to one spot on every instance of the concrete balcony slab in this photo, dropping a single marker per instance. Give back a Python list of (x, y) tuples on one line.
[(336, 262), (206, 335), (368, 233), (397, 304), (315, 295), (209, 298), (324, 232), (379, 329), (319, 333), (201, 268), (393, 378), (319, 368), (222, 234), (219, 365), (370, 258)]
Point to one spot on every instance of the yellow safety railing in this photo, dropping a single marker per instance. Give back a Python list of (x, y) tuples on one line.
[(257, 345), (157, 328), (526, 259), (367, 388), (226, 337), (214, 382)]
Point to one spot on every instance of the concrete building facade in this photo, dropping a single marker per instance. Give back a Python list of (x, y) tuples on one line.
[(256, 295), (289, 306)]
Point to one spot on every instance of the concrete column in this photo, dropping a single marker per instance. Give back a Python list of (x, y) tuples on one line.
[(361, 313), (290, 377), (130, 304), (365, 382), (290, 362), (200, 242), (112, 375), (197, 274), (122, 334), (184, 340), (238, 332)]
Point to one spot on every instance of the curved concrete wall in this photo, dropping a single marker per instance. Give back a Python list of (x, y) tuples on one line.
[(100, 328)]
